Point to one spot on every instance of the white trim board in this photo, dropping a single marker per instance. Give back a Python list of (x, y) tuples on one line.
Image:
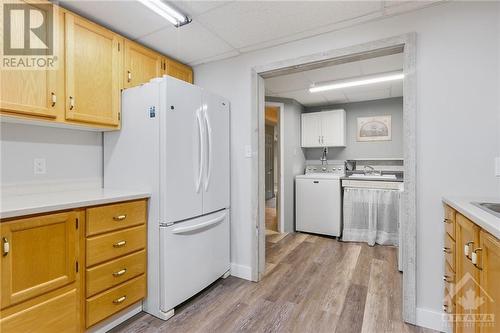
[(242, 272), (431, 319)]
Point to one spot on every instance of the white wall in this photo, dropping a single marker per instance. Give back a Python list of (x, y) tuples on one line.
[(457, 118), (293, 156), (72, 156)]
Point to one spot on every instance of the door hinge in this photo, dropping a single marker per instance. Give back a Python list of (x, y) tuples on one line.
[(119, 115), (76, 223), (76, 266)]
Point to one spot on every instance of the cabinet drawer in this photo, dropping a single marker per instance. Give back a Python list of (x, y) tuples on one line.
[(449, 221), (115, 244), (449, 278), (58, 314), (109, 302), (114, 217), (448, 303), (449, 251), (110, 274)]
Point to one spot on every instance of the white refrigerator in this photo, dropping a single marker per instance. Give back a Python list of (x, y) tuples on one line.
[(174, 143)]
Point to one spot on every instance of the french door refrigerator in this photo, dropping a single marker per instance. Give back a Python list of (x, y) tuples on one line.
[(174, 143)]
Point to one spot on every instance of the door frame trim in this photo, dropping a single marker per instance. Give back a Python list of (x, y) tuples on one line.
[(406, 43)]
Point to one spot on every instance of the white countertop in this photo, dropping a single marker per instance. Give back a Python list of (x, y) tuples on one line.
[(15, 205), (482, 218)]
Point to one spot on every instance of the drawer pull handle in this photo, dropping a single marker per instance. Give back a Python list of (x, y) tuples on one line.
[(467, 248), (53, 99), (445, 308), (71, 102), (120, 272), (120, 217), (446, 220), (447, 278), (474, 258), (446, 250), (120, 300), (6, 246), (120, 244)]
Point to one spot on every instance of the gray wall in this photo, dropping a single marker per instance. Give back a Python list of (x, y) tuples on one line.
[(355, 149), (293, 156)]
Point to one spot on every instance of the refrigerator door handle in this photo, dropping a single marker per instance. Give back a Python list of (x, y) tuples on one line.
[(182, 230), (209, 147), (200, 151)]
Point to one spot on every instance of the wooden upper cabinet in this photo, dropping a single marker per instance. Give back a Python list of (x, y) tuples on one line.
[(32, 92), (178, 70), (93, 72), (39, 254), (490, 280), (141, 64)]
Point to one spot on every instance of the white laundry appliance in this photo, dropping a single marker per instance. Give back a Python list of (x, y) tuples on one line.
[(318, 199), (174, 143)]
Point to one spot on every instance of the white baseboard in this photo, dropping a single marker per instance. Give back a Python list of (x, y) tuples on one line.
[(431, 319), (116, 319), (243, 272)]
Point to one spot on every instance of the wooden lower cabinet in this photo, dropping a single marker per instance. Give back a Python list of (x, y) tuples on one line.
[(48, 282), (472, 290)]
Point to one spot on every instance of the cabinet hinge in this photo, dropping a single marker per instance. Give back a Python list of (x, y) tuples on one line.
[(76, 266), (118, 47), (119, 115), (76, 223)]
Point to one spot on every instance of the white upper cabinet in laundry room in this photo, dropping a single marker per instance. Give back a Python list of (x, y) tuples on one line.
[(324, 129)]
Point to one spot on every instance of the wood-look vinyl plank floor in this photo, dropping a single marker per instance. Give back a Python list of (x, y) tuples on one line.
[(312, 284)]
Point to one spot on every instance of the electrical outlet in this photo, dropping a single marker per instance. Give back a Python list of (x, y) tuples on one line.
[(39, 166)]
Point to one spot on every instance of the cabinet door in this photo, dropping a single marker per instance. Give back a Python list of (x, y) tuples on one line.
[(178, 70), (490, 280), (93, 72), (58, 314), (39, 255), (141, 64), (311, 130), (467, 279), (333, 128), (31, 92)]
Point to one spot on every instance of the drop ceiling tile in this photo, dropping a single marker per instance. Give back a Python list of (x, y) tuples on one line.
[(129, 18), (304, 97), (289, 82), (356, 96), (195, 8), (261, 21), (189, 43), (385, 64)]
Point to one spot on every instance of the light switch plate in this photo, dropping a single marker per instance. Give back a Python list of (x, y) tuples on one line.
[(39, 166), (497, 166)]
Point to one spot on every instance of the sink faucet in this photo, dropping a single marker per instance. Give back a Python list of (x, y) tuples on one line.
[(323, 158)]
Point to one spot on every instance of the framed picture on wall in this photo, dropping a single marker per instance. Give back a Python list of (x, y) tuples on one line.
[(374, 128)]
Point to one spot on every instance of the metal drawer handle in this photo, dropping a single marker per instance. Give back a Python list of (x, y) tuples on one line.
[(120, 272), (120, 300), (54, 99), (447, 278), (446, 250), (467, 248), (474, 258), (120, 217), (446, 220), (120, 244), (445, 308), (129, 76), (6, 246), (71, 102)]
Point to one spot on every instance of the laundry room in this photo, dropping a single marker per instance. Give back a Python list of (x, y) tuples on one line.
[(334, 155)]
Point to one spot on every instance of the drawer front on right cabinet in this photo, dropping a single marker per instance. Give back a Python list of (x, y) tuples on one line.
[(110, 274), (109, 302), (115, 244), (114, 217)]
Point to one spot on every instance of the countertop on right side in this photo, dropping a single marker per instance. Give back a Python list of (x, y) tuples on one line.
[(484, 219)]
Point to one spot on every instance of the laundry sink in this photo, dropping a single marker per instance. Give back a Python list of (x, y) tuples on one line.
[(490, 207), (368, 176)]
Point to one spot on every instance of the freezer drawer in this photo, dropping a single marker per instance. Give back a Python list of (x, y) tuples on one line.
[(193, 254), (318, 206)]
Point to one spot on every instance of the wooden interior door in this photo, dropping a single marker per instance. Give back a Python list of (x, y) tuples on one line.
[(141, 64), (178, 70), (490, 281), (93, 72), (467, 285), (32, 92), (39, 255)]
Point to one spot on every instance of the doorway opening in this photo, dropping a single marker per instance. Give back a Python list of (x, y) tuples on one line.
[(404, 45)]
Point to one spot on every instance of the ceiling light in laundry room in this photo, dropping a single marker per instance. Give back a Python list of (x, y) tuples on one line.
[(167, 12), (366, 80)]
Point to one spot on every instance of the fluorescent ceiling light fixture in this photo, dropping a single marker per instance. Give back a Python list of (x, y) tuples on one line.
[(393, 76), (167, 12)]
